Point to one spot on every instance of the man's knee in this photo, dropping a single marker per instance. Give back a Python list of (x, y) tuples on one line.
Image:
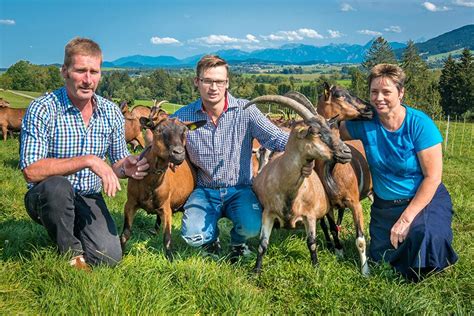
[(249, 230), (105, 252), (56, 191)]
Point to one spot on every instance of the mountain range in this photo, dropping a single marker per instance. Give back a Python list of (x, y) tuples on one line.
[(462, 37)]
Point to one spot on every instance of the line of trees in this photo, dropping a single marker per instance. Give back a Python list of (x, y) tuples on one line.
[(449, 90)]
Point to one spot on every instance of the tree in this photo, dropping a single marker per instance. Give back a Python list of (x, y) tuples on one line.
[(419, 82), (379, 52), (466, 78), (449, 85), (358, 83), (456, 85)]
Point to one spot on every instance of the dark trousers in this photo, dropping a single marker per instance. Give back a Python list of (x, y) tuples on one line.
[(78, 224), (428, 244)]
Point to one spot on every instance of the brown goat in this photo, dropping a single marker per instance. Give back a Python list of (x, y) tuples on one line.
[(133, 128), (166, 187), (10, 120), (287, 196), (345, 184)]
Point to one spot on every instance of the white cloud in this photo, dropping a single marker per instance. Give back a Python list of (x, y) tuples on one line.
[(345, 7), (297, 35), (251, 38), (309, 33), (163, 40), (393, 28), (369, 32), (464, 3), (334, 34), (434, 8), (7, 22)]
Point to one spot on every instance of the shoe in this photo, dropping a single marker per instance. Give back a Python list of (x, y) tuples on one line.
[(79, 263), (238, 251), (212, 249)]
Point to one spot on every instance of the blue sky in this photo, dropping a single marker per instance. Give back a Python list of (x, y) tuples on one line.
[(37, 30)]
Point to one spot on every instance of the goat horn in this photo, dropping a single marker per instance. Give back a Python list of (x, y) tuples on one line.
[(285, 101), (160, 103), (301, 98)]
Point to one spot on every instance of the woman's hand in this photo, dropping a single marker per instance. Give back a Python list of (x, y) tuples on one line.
[(399, 231)]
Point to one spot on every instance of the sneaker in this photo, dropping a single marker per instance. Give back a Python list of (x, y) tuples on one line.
[(239, 251), (212, 249), (79, 263)]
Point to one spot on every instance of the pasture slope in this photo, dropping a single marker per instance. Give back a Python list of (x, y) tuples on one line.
[(34, 279)]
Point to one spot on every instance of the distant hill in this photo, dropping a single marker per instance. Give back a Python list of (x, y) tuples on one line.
[(305, 54), (454, 40)]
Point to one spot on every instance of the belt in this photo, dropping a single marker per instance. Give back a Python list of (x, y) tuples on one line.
[(381, 203)]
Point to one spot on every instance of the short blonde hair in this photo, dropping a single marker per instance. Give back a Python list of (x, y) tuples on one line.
[(210, 61), (81, 46), (390, 71)]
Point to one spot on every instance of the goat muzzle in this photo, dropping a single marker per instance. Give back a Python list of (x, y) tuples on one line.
[(342, 153)]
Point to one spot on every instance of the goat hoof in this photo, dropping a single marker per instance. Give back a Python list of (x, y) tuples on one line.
[(169, 256), (339, 253), (365, 270)]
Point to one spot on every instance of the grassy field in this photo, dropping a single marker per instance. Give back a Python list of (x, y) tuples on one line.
[(18, 101), (34, 279)]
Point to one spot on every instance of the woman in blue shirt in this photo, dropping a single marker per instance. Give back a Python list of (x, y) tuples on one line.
[(411, 216)]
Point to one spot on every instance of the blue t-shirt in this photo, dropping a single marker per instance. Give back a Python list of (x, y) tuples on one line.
[(396, 171)]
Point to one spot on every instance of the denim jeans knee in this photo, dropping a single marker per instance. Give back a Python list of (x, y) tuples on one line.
[(201, 213)]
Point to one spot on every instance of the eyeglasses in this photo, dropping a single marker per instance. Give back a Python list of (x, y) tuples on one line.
[(210, 82)]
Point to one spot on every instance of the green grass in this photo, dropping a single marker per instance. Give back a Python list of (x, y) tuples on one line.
[(18, 101), (34, 279)]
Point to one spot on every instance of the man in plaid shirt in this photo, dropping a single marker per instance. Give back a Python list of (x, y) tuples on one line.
[(221, 151), (66, 136)]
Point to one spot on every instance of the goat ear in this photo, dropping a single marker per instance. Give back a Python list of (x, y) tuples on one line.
[(195, 125), (333, 122), (327, 91), (302, 132), (146, 122), (124, 106)]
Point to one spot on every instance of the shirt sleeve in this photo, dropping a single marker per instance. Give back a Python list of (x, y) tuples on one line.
[(355, 128), (34, 134), (426, 133), (268, 134), (118, 146)]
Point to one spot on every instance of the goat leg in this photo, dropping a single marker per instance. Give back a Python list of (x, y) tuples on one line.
[(311, 240), (167, 218), (333, 227), (324, 227), (265, 232), (129, 213), (360, 240)]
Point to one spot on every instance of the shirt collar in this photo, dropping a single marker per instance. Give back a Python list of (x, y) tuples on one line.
[(230, 102), (96, 101)]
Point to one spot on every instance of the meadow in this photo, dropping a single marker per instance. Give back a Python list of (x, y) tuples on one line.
[(34, 279)]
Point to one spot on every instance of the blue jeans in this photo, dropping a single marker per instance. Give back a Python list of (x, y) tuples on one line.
[(206, 206)]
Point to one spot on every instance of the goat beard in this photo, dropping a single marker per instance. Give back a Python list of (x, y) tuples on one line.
[(172, 166)]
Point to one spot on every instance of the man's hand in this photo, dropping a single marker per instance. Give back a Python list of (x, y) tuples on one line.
[(134, 168), (110, 181), (307, 169)]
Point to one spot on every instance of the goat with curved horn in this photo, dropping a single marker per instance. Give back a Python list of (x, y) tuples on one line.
[(285, 101), (301, 98)]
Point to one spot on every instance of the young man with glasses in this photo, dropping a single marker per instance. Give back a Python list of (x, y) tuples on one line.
[(221, 151)]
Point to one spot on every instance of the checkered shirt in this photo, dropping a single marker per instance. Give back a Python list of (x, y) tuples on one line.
[(53, 128), (222, 153)]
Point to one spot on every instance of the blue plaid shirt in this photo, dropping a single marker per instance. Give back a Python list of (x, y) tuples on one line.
[(222, 153), (53, 128)]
